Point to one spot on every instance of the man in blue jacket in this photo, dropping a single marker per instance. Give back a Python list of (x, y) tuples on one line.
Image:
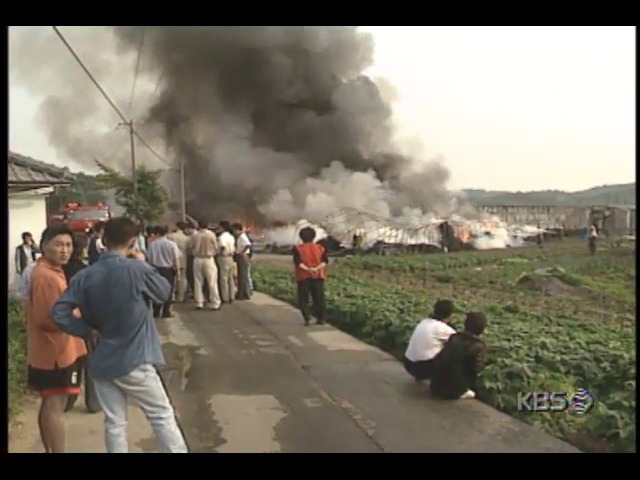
[(111, 299)]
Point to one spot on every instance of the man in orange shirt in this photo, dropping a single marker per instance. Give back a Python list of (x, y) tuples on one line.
[(54, 358), (310, 260)]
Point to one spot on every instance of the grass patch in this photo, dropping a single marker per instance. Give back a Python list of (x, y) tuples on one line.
[(17, 367)]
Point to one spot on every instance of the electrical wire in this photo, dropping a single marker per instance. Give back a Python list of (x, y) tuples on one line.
[(136, 72), (93, 79), (104, 94)]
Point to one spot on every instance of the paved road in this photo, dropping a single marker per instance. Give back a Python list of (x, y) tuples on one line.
[(262, 382)]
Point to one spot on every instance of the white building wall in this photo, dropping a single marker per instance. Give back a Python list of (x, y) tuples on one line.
[(27, 213)]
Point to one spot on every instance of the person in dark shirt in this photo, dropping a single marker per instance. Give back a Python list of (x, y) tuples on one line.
[(96, 246), (26, 253), (460, 361), (76, 262), (310, 260)]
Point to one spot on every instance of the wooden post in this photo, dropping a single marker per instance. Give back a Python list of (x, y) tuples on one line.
[(183, 194), (133, 160)]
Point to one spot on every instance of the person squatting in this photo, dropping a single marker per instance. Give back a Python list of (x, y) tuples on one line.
[(451, 360)]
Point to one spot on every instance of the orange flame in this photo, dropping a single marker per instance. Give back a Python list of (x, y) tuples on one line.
[(464, 234)]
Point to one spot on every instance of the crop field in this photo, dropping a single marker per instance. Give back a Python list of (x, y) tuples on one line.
[(572, 328)]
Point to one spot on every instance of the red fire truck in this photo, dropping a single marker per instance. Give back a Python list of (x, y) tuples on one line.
[(82, 217)]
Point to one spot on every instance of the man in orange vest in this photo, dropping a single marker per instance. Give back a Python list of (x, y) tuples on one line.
[(310, 260)]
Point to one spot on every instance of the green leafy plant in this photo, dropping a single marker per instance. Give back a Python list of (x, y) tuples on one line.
[(148, 204), (536, 343), (17, 358)]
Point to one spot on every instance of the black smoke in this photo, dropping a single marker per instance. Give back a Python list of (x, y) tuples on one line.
[(255, 111), (279, 122)]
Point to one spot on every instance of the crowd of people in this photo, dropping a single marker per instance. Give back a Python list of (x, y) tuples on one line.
[(87, 294), (211, 265), (69, 305), (73, 307)]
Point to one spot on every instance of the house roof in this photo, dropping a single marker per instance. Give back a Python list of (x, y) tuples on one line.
[(26, 172)]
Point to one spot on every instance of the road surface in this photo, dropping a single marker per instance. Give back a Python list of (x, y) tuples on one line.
[(262, 382)]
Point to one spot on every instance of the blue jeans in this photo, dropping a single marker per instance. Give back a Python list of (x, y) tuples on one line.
[(144, 387)]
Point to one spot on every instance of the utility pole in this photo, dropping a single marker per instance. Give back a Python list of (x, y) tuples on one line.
[(134, 177), (133, 161), (183, 193)]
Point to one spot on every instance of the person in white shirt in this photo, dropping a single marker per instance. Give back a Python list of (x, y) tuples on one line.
[(96, 247), (428, 340), (24, 284), (243, 250), (227, 249), (141, 242), (593, 238)]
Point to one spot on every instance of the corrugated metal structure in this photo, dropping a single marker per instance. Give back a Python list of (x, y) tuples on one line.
[(614, 219), (547, 216)]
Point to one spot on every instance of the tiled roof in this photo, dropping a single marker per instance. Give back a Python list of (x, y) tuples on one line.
[(27, 171)]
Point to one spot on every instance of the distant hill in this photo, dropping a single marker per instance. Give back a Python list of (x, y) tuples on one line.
[(624, 194)]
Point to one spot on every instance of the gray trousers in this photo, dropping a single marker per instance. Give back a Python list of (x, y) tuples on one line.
[(225, 278), (244, 284), (143, 387)]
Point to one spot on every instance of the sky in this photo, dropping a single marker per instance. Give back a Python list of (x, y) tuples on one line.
[(505, 108)]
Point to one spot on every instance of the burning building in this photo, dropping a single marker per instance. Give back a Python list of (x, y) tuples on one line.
[(450, 234)]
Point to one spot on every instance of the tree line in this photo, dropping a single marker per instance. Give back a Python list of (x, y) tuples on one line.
[(147, 206)]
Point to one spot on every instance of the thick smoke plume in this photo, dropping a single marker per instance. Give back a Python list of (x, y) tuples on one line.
[(277, 122), (79, 123)]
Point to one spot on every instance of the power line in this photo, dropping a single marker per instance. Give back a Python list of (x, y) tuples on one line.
[(144, 142), (137, 70), (104, 94), (155, 90)]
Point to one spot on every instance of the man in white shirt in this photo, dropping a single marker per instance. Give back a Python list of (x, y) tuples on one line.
[(427, 340), (96, 247), (141, 242), (227, 249), (243, 250)]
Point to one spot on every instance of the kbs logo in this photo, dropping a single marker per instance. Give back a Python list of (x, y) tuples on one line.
[(579, 403)]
